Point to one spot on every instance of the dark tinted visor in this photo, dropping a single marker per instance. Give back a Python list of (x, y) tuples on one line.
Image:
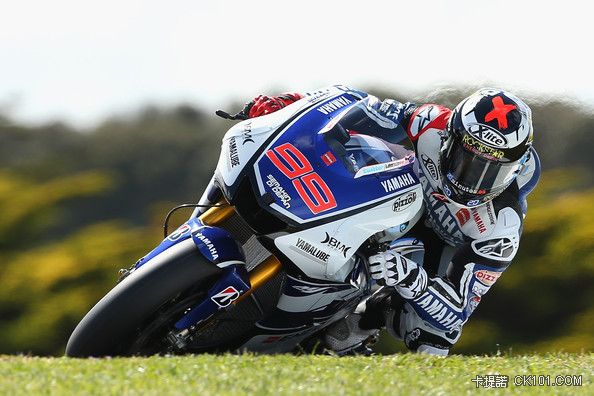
[(473, 174)]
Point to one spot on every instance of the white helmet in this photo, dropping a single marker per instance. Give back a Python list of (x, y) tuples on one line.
[(490, 135)]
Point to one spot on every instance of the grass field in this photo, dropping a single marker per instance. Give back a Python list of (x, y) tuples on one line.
[(286, 375)]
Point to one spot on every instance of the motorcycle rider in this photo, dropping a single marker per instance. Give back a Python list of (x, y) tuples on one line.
[(476, 167)]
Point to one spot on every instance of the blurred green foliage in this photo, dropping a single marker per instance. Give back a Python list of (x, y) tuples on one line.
[(75, 206)]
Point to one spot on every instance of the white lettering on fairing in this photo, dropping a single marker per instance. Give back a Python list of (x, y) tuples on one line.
[(334, 105), (398, 182)]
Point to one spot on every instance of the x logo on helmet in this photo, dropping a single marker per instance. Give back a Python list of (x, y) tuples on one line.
[(499, 112)]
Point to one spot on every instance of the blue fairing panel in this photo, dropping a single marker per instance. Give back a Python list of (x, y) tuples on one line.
[(313, 170), (215, 244)]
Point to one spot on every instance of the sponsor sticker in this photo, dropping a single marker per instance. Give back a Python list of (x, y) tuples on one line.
[(397, 182), (181, 231), (474, 302), (312, 250), (385, 166), (404, 201), (209, 245), (412, 336), (481, 149), (226, 297), (272, 339), (233, 154), (328, 158), (480, 224), (310, 289), (440, 197), (490, 213), (479, 289), (430, 166), (461, 186), (463, 215), (279, 191), (335, 244), (496, 249), (487, 277), (487, 135), (334, 105), (246, 136)]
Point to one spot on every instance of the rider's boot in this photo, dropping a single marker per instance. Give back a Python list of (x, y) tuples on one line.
[(346, 337)]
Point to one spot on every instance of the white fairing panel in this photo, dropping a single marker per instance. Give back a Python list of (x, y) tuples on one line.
[(325, 252)]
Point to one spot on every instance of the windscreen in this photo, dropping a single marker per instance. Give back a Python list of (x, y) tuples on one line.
[(361, 140)]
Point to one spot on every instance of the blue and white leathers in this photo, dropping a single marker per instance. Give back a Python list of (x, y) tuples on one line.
[(479, 243)]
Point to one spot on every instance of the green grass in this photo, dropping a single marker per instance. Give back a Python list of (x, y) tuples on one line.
[(284, 375)]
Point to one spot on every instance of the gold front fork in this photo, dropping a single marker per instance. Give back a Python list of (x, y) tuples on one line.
[(262, 274), (265, 270), (217, 214)]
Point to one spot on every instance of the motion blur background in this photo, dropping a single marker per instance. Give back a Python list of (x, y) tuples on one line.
[(106, 120)]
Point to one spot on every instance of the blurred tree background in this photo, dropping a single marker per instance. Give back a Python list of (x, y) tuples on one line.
[(75, 206)]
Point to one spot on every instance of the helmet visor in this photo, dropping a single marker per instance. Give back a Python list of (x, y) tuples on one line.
[(472, 177)]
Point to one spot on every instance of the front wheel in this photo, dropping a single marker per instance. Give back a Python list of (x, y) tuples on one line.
[(113, 326)]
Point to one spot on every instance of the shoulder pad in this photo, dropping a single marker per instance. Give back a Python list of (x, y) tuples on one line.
[(425, 117), (503, 243)]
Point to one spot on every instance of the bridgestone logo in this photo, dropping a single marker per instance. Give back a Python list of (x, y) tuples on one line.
[(226, 297), (312, 250), (404, 201)]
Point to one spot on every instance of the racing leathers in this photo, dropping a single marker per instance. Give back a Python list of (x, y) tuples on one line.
[(428, 297)]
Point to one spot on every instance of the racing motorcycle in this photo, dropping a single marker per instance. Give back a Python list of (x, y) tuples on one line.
[(275, 251)]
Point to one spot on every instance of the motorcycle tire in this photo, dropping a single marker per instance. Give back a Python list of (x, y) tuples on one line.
[(109, 328)]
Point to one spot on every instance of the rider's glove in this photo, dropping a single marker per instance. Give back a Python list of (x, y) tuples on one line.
[(262, 105), (390, 267)]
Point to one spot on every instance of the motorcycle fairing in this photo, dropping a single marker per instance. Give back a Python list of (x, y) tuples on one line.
[(304, 308), (321, 252), (298, 178), (306, 186), (247, 139), (215, 244), (232, 285)]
